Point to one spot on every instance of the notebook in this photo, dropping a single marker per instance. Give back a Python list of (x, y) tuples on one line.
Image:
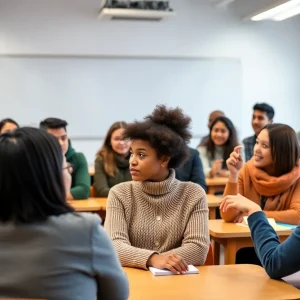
[(165, 272), (270, 220)]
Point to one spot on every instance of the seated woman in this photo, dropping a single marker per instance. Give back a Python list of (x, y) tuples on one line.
[(271, 179), (279, 260), (217, 148), (7, 125), (156, 220), (47, 250), (112, 162)]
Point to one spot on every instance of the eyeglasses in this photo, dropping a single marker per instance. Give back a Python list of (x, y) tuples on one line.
[(69, 168)]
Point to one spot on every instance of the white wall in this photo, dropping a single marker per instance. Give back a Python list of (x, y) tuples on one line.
[(268, 51)]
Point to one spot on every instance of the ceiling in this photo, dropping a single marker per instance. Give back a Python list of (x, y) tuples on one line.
[(243, 8)]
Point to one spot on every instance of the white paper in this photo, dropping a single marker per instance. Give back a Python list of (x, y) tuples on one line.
[(165, 272)]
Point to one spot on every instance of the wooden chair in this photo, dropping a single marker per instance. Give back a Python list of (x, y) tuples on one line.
[(92, 191), (210, 256)]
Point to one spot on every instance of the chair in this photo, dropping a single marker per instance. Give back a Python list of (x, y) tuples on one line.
[(210, 257), (92, 191)]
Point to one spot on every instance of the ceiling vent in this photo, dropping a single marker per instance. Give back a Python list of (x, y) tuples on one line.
[(136, 10)]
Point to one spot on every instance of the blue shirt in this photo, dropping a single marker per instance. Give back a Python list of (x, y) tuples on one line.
[(279, 260)]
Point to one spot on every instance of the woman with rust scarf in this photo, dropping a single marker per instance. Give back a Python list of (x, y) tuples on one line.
[(270, 178)]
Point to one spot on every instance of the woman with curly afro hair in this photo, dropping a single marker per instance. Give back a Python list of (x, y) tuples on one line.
[(156, 220)]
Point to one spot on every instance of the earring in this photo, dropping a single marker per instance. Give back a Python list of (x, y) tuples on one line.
[(162, 165)]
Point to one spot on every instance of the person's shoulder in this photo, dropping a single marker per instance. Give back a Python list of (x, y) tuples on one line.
[(193, 152), (99, 159), (192, 189), (123, 187), (248, 139), (77, 157), (75, 222), (202, 150)]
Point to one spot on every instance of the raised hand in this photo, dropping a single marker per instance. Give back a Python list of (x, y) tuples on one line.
[(235, 161)]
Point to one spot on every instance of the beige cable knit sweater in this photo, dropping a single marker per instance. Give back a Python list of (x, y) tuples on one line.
[(171, 216)]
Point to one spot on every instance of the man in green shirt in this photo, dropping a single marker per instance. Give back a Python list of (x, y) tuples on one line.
[(80, 188)]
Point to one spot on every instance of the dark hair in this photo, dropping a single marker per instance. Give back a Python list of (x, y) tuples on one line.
[(53, 123), (31, 182), (106, 150), (230, 143), (266, 108), (8, 120), (167, 131), (284, 148)]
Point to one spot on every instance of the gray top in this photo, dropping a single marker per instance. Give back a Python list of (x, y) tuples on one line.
[(68, 257)]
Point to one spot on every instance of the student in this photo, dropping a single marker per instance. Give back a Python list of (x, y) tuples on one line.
[(263, 114), (81, 180), (271, 178), (221, 142), (212, 116), (192, 170), (47, 250), (279, 260), (156, 220), (7, 125), (112, 161)]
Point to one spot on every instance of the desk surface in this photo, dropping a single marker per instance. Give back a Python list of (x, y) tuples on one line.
[(213, 201), (221, 229), (96, 204), (245, 282), (91, 204), (216, 181)]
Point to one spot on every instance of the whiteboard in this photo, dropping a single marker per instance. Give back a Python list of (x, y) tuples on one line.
[(92, 93)]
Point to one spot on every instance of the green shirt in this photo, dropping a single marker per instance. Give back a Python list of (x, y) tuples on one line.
[(81, 180)]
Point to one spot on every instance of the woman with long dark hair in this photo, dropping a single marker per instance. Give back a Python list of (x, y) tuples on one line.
[(217, 148), (47, 250)]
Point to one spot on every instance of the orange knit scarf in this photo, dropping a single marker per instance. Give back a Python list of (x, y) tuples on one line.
[(277, 189)]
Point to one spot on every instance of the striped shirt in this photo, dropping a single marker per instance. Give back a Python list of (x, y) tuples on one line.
[(171, 216)]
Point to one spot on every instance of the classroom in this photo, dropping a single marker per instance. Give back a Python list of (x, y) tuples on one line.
[(149, 149)]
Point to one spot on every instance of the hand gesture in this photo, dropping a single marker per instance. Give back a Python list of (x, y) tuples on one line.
[(241, 204), (172, 262), (235, 161), (216, 168)]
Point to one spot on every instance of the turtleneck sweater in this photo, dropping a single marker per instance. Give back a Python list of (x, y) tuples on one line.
[(143, 218)]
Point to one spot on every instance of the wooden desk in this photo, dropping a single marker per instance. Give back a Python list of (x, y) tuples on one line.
[(232, 282), (213, 203), (216, 184), (233, 238), (96, 205), (89, 205), (99, 204)]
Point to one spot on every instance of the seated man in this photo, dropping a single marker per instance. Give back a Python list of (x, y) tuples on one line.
[(263, 115), (80, 187)]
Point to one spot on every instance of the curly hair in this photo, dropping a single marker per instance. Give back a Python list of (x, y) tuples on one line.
[(168, 132)]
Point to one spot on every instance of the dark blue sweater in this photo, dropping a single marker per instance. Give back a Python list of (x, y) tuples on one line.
[(279, 260), (192, 170)]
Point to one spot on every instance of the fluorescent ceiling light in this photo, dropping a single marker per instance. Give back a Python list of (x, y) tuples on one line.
[(280, 12)]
